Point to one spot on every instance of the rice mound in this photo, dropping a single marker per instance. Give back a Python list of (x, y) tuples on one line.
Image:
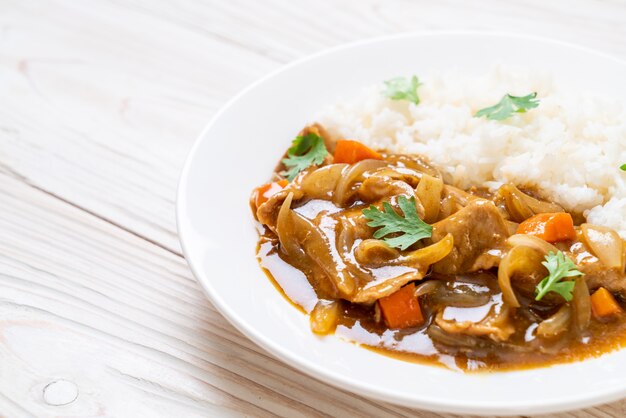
[(571, 147)]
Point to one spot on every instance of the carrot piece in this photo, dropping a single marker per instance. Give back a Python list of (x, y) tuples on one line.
[(603, 304), (402, 308), (551, 227), (264, 192), (350, 152)]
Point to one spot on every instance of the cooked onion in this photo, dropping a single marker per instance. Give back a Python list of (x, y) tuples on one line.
[(515, 203), (454, 340), (429, 193), (345, 237), (374, 252), (556, 324), (375, 188), (427, 287), (352, 174), (325, 316), (511, 226), (321, 183), (288, 243), (378, 315), (431, 254), (520, 260), (413, 162), (605, 244), (532, 242), (540, 206), (385, 288), (465, 299), (504, 280), (407, 175), (522, 206), (581, 304), (448, 207)]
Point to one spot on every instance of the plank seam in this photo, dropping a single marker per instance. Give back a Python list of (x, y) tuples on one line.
[(28, 183)]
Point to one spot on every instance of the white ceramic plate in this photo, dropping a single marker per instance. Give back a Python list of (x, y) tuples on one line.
[(238, 150)]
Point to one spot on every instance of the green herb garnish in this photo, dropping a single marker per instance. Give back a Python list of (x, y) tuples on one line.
[(509, 105), (402, 88), (559, 266), (411, 226), (305, 151), (623, 167)]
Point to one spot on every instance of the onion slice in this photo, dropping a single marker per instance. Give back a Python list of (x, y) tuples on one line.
[(556, 324), (325, 316), (605, 244), (514, 203), (352, 174), (374, 252), (532, 242), (522, 261), (429, 255), (429, 193), (284, 227), (581, 305), (321, 183), (504, 280), (522, 206), (427, 287)]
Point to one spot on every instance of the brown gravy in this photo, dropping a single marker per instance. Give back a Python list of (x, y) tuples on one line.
[(415, 345)]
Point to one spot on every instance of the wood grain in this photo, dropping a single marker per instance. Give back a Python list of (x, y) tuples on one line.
[(101, 101)]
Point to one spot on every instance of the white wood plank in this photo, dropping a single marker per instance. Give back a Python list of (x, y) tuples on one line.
[(101, 139)]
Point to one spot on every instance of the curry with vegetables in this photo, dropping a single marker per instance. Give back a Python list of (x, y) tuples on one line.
[(380, 250)]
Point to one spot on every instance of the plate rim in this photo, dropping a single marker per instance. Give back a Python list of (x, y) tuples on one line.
[(551, 405)]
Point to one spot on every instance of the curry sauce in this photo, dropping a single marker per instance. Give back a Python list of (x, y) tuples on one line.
[(381, 251)]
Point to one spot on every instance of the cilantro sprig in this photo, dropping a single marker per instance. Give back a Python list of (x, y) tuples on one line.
[(560, 267), (403, 88), (411, 226), (305, 151), (509, 105)]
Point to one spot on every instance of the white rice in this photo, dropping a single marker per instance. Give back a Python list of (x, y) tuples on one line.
[(570, 147)]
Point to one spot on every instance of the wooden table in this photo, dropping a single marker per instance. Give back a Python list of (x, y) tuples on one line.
[(99, 103)]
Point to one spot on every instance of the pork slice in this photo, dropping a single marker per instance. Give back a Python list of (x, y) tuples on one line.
[(479, 232)]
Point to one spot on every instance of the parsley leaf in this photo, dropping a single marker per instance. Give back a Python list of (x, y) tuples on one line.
[(509, 105), (402, 88), (412, 227), (306, 150), (559, 266), (623, 167)]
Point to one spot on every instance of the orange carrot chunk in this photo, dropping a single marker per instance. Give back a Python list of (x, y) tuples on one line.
[(603, 304), (402, 308), (551, 227), (264, 192), (350, 152)]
